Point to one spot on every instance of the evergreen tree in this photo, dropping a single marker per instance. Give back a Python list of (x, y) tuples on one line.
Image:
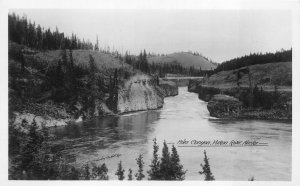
[(22, 60), (140, 175), (154, 172), (99, 172), (120, 172), (104, 175), (177, 169), (32, 146), (86, 172), (97, 44), (130, 174), (206, 169), (165, 163)]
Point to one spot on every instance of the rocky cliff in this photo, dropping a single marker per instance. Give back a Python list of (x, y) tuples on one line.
[(223, 106), (139, 93), (169, 88)]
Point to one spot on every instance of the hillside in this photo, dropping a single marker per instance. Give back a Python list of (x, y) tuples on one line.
[(105, 62), (185, 59), (60, 86), (269, 98), (265, 75)]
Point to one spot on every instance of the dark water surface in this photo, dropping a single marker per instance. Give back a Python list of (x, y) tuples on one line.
[(182, 117)]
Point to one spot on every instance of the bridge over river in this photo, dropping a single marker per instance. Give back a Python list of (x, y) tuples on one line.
[(181, 81)]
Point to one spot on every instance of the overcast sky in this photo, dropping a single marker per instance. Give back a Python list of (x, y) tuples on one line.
[(217, 34)]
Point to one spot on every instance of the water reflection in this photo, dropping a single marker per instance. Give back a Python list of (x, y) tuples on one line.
[(182, 117), (103, 133)]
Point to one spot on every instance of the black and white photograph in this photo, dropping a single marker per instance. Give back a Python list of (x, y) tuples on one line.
[(150, 94)]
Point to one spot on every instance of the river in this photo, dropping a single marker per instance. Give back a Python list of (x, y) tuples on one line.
[(182, 117)]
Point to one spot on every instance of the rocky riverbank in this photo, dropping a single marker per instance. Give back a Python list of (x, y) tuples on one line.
[(224, 106), (140, 92), (268, 99)]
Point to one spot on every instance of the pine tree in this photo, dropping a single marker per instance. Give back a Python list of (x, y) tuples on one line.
[(206, 169), (130, 174), (140, 163), (86, 172), (120, 172), (97, 45), (154, 172), (32, 146), (177, 169), (99, 172), (165, 163), (22, 60), (103, 173)]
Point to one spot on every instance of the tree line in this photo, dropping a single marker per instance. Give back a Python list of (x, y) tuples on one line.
[(140, 62), (25, 32), (255, 58)]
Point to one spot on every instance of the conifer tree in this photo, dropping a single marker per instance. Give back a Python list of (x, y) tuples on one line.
[(120, 171), (32, 146), (22, 60), (97, 45), (130, 174), (86, 172), (177, 169), (206, 169), (140, 175), (165, 163), (103, 173), (100, 172), (154, 172)]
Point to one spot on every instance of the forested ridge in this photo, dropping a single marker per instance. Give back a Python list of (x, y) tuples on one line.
[(27, 33), (32, 35), (255, 58)]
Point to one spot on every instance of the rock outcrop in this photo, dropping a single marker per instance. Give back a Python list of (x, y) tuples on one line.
[(140, 92), (169, 88), (223, 106), (24, 120)]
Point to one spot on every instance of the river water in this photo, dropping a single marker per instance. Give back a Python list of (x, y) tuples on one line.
[(182, 117)]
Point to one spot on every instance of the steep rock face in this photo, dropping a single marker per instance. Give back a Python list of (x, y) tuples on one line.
[(206, 93), (139, 93), (169, 88), (193, 85), (223, 106)]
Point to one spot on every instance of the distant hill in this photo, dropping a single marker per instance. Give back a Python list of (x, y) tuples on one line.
[(185, 59)]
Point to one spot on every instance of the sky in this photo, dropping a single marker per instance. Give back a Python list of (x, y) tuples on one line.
[(217, 34)]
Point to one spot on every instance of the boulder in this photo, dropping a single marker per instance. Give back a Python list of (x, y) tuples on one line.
[(223, 106)]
